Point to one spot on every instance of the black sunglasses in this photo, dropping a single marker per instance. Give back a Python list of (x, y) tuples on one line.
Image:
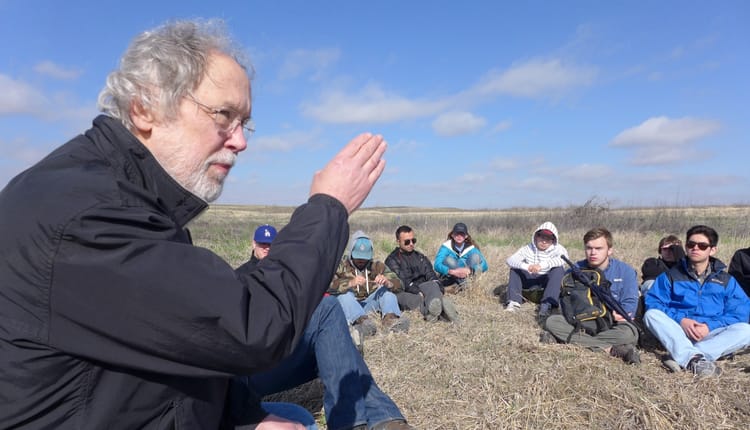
[(701, 245), (408, 242)]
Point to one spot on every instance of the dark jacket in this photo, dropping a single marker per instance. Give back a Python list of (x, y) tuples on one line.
[(111, 318), (717, 302), (412, 268), (739, 268)]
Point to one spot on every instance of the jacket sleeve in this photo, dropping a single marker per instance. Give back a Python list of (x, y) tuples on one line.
[(426, 268), (736, 307), (340, 281), (393, 263), (518, 259), (126, 281), (659, 296), (440, 267), (629, 299), (556, 260)]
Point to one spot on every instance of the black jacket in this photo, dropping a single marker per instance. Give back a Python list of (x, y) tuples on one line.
[(412, 268), (111, 318), (739, 268)]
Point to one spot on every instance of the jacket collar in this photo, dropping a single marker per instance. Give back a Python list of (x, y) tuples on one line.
[(141, 168)]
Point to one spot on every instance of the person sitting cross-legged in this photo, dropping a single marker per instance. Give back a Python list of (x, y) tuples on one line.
[(538, 263), (621, 338), (697, 310), (352, 399), (459, 258), (421, 287), (364, 285)]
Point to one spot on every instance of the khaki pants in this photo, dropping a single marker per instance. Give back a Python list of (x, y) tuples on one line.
[(622, 333)]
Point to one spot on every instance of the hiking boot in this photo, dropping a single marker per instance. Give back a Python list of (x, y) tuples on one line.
[(358, 338), (366, 326), (434, 308), (512, 306), (395, 324), (450, 313), (671, 365), (547, 337), (544, 311), (703, 368), (393, 425), (628, 353)]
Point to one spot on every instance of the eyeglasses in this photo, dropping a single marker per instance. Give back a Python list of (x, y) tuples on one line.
[(227, 120), (701, 245), (408, 242)]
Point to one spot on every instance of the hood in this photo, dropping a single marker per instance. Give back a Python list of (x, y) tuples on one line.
[(359, 234), (546, 226)]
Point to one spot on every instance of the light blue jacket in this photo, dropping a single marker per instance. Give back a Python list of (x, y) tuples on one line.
[(446, 250), (624, 283)]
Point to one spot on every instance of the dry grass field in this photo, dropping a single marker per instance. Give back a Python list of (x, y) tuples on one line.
[(490, 371)]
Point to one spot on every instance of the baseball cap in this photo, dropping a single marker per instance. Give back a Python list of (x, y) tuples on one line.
[(264, 234), (362, 249), (460, 228), (546, 233)]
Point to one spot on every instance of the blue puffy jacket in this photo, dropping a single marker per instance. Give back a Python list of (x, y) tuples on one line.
[(718, 302), (446, 249)]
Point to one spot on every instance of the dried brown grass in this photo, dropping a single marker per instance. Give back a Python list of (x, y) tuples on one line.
[(490, 371)]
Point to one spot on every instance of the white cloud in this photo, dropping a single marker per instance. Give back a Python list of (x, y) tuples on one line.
[(20, 98), (536, 79), (370, 105), (312, 62), (457, 123), (48, 68), (585, 172), (502, 126), (504, 164), (285, 142), (666, 131)]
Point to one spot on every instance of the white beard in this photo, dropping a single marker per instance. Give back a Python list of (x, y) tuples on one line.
[(196, 178)]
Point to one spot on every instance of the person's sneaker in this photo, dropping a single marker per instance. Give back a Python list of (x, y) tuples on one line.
[(628, 353), (358, 338), (366, 326), (450, 313), (393, 425), (547, 337), (395, 324), (703, 368), (671, 365), (512, 306), (434, 308)]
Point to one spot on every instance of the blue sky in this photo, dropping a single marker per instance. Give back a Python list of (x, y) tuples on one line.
[(485, 104)]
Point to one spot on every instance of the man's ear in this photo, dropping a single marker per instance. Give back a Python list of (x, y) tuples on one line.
[(143, 119)]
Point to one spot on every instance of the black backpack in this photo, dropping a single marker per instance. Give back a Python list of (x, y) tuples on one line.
[(580, 306)]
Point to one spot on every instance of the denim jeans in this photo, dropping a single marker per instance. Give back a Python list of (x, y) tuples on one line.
[(521, 279), (473, 262), (351, 395), (718, 343), (381, 300)]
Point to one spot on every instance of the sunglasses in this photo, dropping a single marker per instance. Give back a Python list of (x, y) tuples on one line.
[(408, 242), (701, 245)]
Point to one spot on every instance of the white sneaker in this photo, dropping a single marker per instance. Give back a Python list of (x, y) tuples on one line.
[(512, 306)]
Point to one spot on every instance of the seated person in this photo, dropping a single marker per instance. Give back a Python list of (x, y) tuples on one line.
[(322, 352), (739, 268), (421, 287), (621, 338), (670, 252), (697, 310), (459, 257), (537, 264), (363, 285)]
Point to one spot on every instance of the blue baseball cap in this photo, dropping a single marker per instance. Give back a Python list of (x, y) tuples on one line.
[(264, 234), (362, 249)]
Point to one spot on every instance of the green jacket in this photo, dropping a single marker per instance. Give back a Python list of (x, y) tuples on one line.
[(346, 272)]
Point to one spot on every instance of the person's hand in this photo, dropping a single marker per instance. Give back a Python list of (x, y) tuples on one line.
[(382, 280), (460, 272), (351, 174), (693, 329), (357, 281), (273, 422), (618, 317), (534, 268)]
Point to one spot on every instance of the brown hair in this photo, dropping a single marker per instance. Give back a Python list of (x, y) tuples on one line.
[(468, 241), (596, 233), (668, 240)]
